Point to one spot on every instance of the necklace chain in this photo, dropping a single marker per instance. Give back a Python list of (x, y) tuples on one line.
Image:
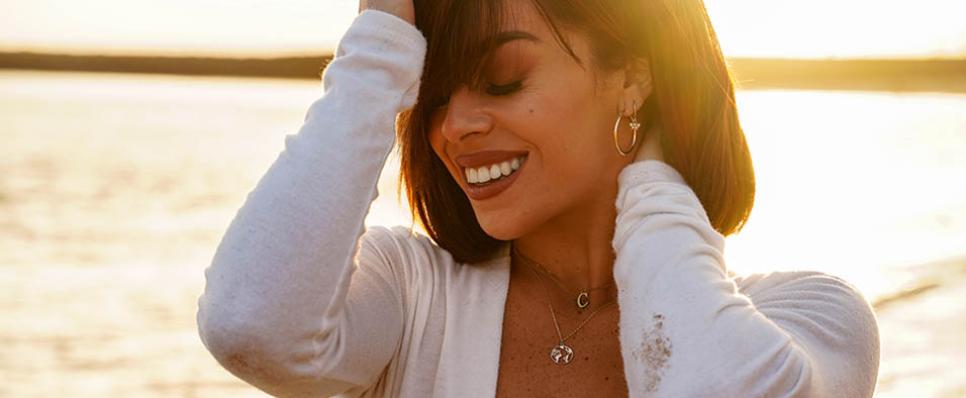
[(557, 326), (562, 353), (553, 277)]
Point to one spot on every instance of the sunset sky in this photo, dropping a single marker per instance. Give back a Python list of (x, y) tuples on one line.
[(759, 28)]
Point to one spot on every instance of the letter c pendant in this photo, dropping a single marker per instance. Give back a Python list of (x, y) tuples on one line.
[(583, 300)]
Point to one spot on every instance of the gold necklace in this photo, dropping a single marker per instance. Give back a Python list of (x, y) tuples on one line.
[(562, 354), (583, 295)]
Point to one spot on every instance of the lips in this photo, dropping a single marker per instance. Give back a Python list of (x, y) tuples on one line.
[(489, 190), (485, 158)]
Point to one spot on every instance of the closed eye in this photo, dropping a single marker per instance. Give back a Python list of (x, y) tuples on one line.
[(505, 89), (491, 89)]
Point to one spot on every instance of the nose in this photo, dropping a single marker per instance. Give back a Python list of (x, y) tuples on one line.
[(465, 114)]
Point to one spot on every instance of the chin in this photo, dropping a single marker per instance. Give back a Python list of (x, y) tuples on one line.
[(500, 227)]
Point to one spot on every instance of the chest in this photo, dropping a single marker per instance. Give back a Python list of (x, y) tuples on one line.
[(526, 367)]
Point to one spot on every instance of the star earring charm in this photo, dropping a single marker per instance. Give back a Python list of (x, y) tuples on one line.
[(635, 124)]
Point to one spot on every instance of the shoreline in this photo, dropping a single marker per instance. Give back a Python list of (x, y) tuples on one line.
[(921, 334), (896, 75), (930, 277)]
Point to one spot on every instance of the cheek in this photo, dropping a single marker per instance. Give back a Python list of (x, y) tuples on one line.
[(572, 137), (434, 142), (568, 103), (435, 136), (569, 121), (438, 145)]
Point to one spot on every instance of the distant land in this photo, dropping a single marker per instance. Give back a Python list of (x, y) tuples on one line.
[(933, 75)]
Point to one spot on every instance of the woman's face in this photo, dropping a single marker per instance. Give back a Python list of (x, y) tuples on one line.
[(539, 101)]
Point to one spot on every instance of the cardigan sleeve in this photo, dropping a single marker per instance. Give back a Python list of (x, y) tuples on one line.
[(299, 298), (688, 329)]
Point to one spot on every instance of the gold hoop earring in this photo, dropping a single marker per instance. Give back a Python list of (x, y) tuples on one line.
[(635, 125)]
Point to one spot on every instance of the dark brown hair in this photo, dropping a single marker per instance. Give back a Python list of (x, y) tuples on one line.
[(692, 100)]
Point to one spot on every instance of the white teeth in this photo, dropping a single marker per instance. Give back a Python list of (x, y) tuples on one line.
[(484, 174), (492, 172)]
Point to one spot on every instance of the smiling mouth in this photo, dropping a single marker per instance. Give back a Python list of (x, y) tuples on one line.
[(493, 187), (493, 173)]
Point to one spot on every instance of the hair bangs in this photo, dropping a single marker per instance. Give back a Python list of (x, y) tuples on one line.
[(457, 32)]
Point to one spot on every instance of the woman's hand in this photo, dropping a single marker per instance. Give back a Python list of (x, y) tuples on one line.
[(403, 9), (650, 149)]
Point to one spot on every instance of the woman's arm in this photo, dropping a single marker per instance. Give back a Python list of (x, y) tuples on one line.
[(687, 331), (278, 310)]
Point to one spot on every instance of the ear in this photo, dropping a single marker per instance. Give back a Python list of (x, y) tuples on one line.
[(637, 86)]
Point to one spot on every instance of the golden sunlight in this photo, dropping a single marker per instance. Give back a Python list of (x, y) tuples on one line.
[(132, 132), (841, 29), (749, 28)]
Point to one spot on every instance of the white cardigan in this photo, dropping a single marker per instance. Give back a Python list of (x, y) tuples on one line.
[(301, 300)]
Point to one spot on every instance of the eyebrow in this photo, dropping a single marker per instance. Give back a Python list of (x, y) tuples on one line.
[(502, 38)]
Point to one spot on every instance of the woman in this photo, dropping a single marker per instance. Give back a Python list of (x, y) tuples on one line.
[(576, 165)]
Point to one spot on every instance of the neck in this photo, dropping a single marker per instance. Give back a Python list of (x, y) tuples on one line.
[(576, 248)]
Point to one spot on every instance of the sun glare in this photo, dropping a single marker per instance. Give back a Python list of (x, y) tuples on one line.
[(748, 28)]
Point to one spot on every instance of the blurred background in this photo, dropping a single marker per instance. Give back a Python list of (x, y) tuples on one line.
[(131, 131)]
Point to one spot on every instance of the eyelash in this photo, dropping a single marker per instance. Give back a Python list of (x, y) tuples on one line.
[(492, 89), (505, 89)]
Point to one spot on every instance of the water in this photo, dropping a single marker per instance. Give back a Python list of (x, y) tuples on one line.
[(115, 189), (862, 185)]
